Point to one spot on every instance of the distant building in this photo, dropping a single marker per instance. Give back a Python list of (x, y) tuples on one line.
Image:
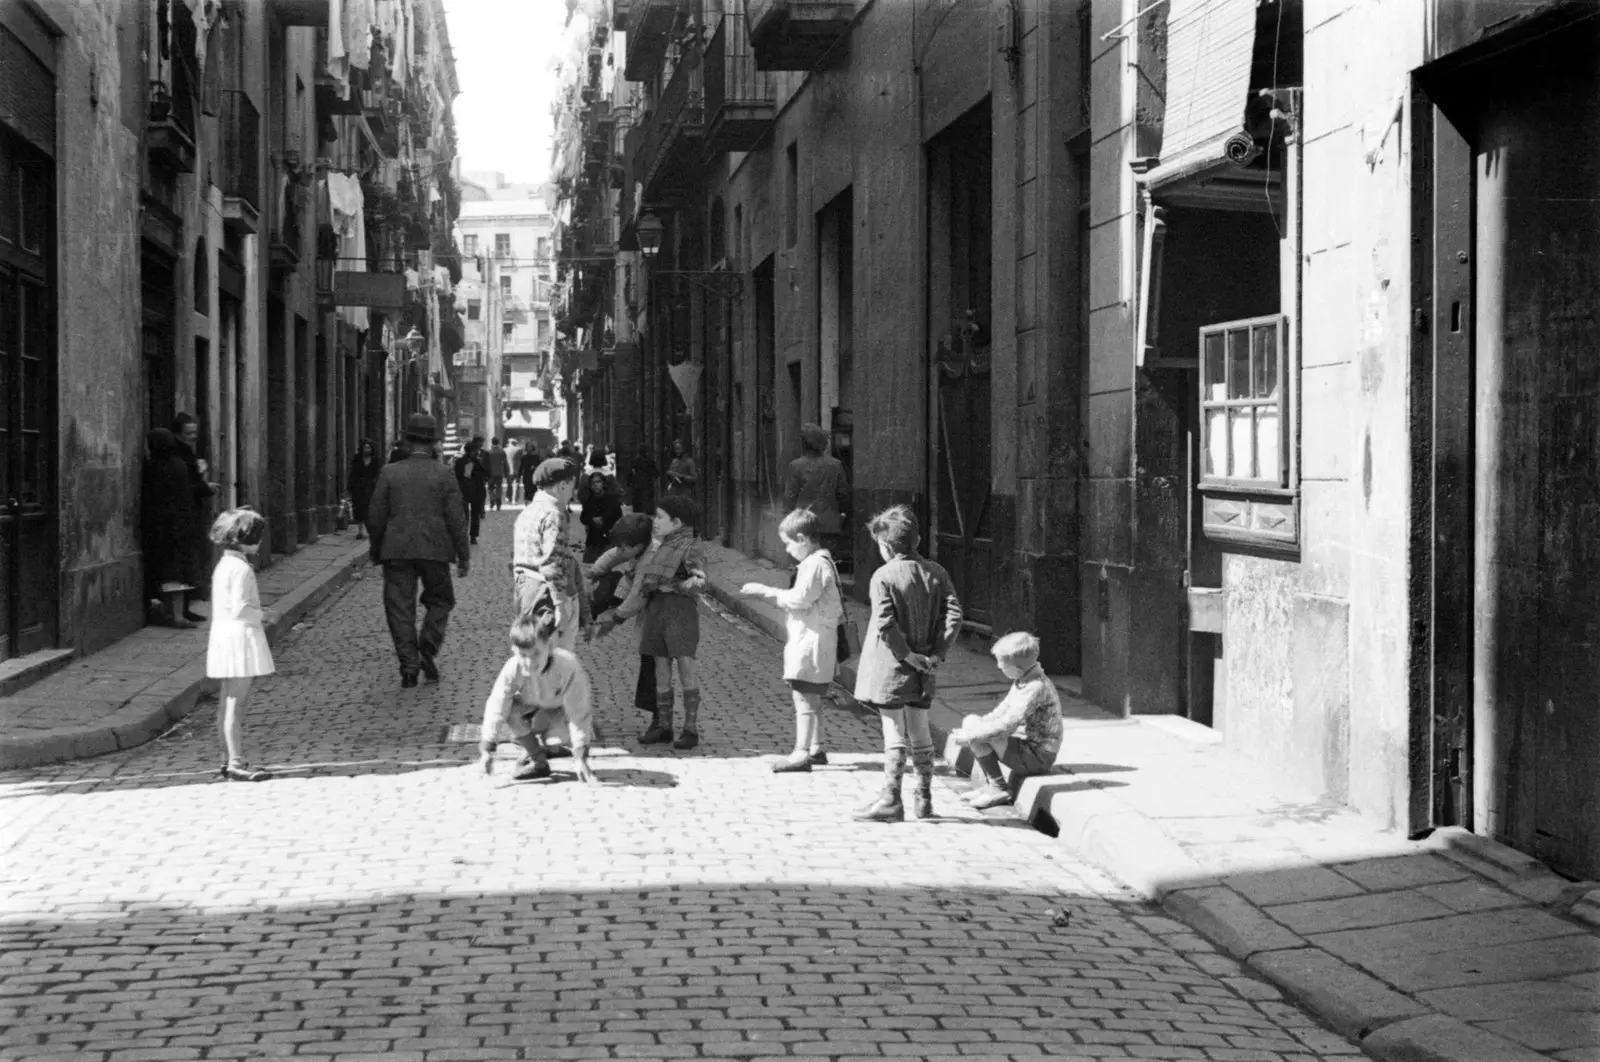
[(503, 373)]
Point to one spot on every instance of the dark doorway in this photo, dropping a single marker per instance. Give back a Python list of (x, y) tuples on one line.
[(280, 425), (960, 176), (1516, 491), (29, 595), (771, 483)]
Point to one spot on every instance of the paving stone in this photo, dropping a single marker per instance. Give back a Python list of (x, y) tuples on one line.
[(1351, 1001), (1355, 912), (1446, 934), (1402, 872), (1490, 1002), (1525, 961), (1291, 885), (1471, 895), (1225, 917), (1436, 1038)]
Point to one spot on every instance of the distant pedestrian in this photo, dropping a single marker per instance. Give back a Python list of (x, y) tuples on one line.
[(237, 651), (527, 464), (813, 609), (364, 469), (472, 476), (663, 594), (817, 482), (498, 469), (399, 451), (601, 511), (642, 481), (540, 687), (167, 516), (682, 474), (418, 525), (916, 617), (545, 561), (1024, 730)]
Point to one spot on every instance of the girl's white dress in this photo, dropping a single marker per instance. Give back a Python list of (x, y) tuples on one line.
[(238, 645)]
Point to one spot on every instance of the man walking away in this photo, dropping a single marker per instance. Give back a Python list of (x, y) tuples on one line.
[(497, 473), (418, 525)]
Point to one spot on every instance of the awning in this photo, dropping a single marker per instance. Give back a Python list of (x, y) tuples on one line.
[(1210, 44)]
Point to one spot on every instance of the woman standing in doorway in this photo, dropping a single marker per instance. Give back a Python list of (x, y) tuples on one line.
[(681, 473), (364, 468)]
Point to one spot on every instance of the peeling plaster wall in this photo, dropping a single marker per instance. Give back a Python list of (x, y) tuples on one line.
[(100, 377)]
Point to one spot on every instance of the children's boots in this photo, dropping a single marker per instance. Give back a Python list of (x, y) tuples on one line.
[(922, 807), (690, 737), (660, 732), (888, 807)]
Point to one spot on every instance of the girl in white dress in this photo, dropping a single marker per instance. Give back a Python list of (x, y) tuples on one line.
[(237, 651)]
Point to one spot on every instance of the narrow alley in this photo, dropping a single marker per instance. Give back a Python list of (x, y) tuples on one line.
[(380, 899)]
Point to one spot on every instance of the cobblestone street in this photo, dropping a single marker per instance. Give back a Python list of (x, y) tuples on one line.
[(379, 899)]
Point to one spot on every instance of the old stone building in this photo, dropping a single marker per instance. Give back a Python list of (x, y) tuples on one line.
[(846, 214), (193, 187), (1238, 347)]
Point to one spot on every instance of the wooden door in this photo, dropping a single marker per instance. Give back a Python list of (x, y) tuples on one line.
[(29, 566), (1537, 452)]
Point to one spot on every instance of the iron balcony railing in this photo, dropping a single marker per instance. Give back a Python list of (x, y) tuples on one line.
[(241, 148), (679, 113), (739, 98)]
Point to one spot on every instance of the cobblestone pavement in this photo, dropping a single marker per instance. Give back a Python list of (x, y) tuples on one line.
[(379, 899)]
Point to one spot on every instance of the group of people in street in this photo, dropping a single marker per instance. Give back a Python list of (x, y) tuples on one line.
[(647, 567), (175, 495)]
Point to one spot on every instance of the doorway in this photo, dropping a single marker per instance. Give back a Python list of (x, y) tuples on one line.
[(1514, 703), (960, 176), (29, 595)]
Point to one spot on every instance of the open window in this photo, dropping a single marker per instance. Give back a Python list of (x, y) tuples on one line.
[(1244, 404)]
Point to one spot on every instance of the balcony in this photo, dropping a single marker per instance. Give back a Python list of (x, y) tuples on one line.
[(739, 98), (284, 246), (672, 137), (796, 34), (241, 164), (650, 24), (169, 137), (300, 12)]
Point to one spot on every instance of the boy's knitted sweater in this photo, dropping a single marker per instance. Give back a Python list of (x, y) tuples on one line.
[(1031, 710), (540, 544)]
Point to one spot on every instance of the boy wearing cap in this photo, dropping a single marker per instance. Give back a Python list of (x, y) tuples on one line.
[(543, 559)]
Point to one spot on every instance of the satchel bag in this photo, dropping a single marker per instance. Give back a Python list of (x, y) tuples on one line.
[(847, 636)]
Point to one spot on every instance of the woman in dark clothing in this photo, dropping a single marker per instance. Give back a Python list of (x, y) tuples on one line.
[(642, 481), (681, 473), (527, 462), (601, 511), (472, 474), (167, 520), (364, 469), (187, 432)]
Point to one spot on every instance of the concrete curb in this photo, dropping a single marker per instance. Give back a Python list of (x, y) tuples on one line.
[(1437, 1038), (154, 709)]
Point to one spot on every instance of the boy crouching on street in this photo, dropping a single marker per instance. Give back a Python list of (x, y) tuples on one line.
[(539, 685), (1024, 730)]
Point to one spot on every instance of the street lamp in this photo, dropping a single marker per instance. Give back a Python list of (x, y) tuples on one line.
[(717, 281), (648, 232)]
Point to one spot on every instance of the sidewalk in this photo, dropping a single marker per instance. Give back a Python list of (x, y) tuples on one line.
[(1453, 948), (131, 691)]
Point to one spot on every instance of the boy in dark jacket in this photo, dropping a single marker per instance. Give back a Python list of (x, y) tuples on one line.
[(916, 617)]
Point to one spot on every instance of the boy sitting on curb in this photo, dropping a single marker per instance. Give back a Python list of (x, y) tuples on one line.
[(1024, 730)]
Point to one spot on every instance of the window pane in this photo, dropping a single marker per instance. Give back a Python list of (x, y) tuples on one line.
[(1216, 369), (1240, 429), (1239, 363), (1266, 361), (1217, 442), (1268, 436), (10, 200)]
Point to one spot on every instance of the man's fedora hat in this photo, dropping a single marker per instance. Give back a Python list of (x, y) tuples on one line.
[(420, 428)]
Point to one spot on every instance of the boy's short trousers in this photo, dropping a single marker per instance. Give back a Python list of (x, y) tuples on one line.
[(1026, 758), (525, 720), (802, 686)]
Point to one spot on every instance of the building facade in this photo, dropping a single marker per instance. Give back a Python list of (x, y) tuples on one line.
[(505, 232), (194, 184), (1244, 362)]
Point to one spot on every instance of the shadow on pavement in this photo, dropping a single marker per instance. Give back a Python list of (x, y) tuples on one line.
[(658, 969)]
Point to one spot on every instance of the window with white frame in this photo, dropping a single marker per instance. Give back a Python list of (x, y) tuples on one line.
[(469, 244), (502, 245), (1244, 404), (505, 285)]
